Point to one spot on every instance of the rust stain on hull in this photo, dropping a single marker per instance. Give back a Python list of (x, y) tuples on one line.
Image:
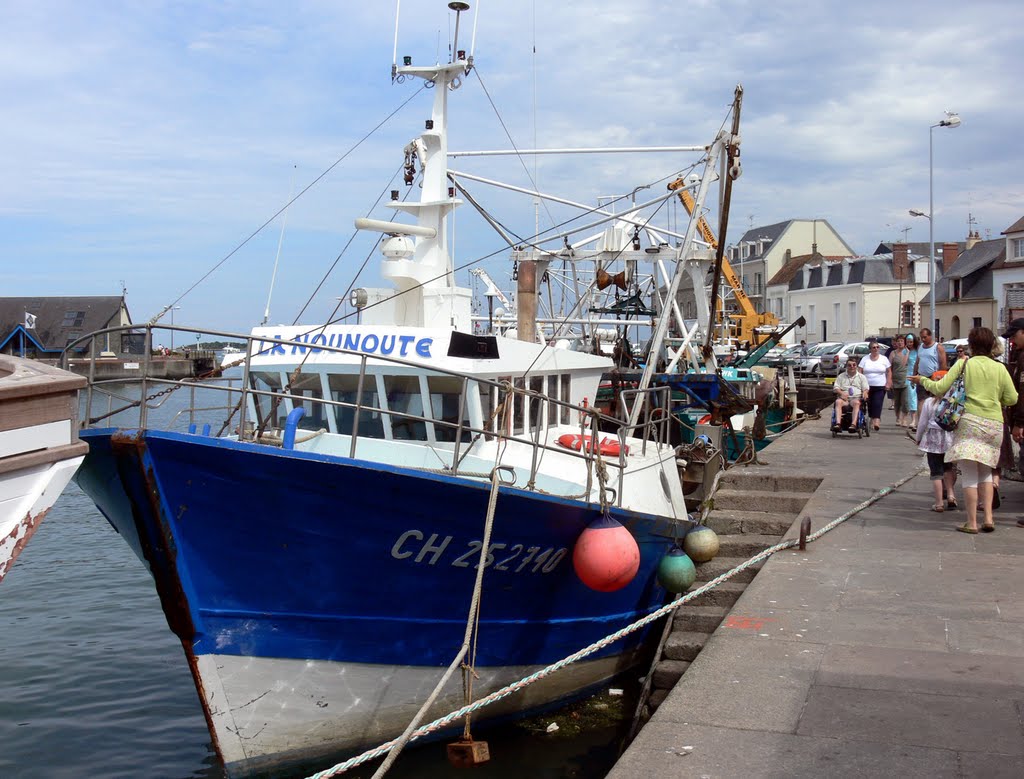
[(160, 551), (12, 544)]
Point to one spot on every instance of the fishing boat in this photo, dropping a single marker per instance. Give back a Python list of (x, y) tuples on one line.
[(379, 493), (39, 447)]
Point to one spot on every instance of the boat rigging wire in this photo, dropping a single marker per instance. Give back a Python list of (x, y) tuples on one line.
[(508, 135), (280, 242), (283, 208), (668, 608)]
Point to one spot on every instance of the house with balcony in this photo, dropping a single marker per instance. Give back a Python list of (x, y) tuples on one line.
[(1008, 275), (848, 298)]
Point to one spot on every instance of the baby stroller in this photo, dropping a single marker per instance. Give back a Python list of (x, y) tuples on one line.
[(843, 425)]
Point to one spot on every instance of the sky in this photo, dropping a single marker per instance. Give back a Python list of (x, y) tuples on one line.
[(145, 142)]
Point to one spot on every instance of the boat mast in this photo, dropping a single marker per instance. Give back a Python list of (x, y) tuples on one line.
[(422, 269)]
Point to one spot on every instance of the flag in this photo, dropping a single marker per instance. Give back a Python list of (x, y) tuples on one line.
[(30, 321)]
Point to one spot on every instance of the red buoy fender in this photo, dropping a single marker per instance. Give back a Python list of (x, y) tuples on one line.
[(609, 447), (606, 557)]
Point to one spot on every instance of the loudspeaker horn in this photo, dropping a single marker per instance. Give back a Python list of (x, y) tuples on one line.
[(605, 279)]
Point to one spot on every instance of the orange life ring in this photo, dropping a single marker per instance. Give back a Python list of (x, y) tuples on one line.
[(704, 419), (606, 446)]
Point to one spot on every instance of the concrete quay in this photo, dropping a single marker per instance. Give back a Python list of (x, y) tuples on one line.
[(894, 646)]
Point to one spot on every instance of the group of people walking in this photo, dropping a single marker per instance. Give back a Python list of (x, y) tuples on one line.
[(916, 374)]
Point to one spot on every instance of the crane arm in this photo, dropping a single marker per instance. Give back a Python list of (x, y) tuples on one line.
[(709, 237), (492, 288)]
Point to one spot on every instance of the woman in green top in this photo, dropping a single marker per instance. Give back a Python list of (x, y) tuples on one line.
[(979, 433)]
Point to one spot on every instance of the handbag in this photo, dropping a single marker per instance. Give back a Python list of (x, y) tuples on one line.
[(951, 407)]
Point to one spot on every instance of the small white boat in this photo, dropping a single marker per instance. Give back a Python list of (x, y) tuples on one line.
[(39, 447)]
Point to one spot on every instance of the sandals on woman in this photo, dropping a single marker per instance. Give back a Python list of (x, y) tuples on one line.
[(939, 508), (988, 528), (952, 504), (966, 529)]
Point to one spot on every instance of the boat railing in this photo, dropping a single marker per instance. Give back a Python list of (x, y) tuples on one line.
[(651, 428)]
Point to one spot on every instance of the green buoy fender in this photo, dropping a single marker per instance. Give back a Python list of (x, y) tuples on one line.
[(676, 571), (701, 544)]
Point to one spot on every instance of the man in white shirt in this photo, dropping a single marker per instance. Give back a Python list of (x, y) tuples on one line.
[(850, 388)]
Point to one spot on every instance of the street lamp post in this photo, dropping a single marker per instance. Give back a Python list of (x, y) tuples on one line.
[(952, 120)]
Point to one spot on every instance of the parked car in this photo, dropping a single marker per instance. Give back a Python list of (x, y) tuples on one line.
[(810, 364), (951, 345), (781, 356), (834, 362)]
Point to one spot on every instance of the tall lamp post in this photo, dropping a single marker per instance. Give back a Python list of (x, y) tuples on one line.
[(952, 120)]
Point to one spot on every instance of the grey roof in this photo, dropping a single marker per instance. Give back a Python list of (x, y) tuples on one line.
[(58, 318), (974, 269), (1016, 227), (917, 247), (979, 256), (874, 269), (769, 232)]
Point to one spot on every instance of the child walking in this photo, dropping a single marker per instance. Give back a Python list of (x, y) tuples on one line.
[(934, 441)]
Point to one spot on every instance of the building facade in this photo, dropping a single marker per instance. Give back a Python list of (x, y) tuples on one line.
[(1008, 275), (45, 326), (849, 298)]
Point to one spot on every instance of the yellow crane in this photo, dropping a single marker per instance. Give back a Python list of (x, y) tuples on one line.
[(743, 325)]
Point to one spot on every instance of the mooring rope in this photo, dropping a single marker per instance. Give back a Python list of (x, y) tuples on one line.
[(472, 622), (504, 692)]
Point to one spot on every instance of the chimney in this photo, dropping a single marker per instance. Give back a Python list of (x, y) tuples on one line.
[(950, 251), (846, 270), (973, 238), (788, 256), (900, 262)]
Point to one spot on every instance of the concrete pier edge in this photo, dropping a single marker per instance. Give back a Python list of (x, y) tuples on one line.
[(893, 646)]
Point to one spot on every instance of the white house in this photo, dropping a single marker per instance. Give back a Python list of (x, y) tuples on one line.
[(848, 298), (762, 251)]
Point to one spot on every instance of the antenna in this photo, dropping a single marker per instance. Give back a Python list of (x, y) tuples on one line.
[(458, 6), (394, 55), (971, 222)]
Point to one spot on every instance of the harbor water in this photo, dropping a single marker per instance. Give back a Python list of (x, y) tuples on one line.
[(95, 684)]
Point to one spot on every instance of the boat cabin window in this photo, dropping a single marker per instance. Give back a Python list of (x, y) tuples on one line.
[(445, 393), (343, 389), (265, 381), (536, 403), (531, 413), (404, 397), (308, 387), (518, 407)]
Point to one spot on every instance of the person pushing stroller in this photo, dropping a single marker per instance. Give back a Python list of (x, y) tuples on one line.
[(851, 388)]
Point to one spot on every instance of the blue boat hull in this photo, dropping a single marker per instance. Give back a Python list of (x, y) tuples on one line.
[(281, 560)]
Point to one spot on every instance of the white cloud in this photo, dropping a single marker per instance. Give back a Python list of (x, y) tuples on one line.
[(159, 135)]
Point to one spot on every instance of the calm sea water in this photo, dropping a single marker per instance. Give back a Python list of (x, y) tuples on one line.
[(94, 684)]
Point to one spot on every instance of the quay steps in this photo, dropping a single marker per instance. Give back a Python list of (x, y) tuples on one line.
[(751, 512)]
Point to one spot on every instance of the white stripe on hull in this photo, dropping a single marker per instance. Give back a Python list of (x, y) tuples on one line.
[(25, 497), (267, 712)]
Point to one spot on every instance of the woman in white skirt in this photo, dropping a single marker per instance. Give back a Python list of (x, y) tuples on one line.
[(979, 434)]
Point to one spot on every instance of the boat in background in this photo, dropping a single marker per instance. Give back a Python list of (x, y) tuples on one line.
[(39, 447)]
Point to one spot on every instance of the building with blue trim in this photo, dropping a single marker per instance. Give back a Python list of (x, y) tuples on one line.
[(41, 327)]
